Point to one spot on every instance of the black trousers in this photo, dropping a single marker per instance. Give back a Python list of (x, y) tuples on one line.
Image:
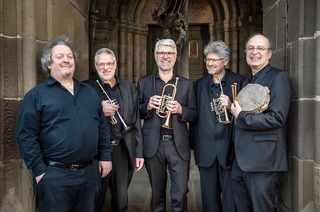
[(254, 191), (167, 157), (66, 190), (216, 189), (118, 180)]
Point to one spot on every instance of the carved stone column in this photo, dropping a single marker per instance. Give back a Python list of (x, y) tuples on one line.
[(122, 58), (234, 45), (129, 51), (218, 30), (139, 53)]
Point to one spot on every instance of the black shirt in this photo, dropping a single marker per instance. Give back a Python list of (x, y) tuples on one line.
[(56, 125), (114, 94)]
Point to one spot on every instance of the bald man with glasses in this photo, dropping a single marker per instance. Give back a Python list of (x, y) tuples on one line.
[(260, 139)]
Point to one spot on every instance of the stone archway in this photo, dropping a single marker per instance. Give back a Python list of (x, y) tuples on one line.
[(123, 26)]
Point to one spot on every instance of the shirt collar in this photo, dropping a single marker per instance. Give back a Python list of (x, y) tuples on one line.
[(224, 78), (174, 76), (52, 81), (107, 84)]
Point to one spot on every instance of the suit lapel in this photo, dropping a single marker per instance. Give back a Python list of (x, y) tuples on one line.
[(124, 90), (263, 74)]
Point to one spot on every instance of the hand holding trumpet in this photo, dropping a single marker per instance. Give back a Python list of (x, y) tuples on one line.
[(154, 102), (225, 101), (109, 108), (173, 106)]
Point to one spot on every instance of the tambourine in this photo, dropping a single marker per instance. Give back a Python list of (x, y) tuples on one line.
[(254, 98)]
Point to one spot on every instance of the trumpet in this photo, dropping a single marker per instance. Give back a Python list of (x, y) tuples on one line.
[(166, 97), (113, 119), (220, 110)]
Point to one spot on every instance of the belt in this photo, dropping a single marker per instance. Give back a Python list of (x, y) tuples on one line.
[(166, 137), (68, 166), (116, 142)]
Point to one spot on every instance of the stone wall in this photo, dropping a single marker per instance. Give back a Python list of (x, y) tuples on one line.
[(295, 51)]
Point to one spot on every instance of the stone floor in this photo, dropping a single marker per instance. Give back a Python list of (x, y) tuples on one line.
[(140, 192)]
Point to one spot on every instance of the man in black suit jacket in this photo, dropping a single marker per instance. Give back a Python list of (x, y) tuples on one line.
[(260, 139), (211, 133), (167, 148), (126, 137)]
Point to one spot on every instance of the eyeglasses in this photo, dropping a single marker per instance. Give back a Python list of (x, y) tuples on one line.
[(259, 49), (212, 60), (162, 54), (102, 65)]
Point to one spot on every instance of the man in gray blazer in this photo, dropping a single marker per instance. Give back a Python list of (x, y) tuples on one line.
[(260, 139), (167, 147), (123, 118)]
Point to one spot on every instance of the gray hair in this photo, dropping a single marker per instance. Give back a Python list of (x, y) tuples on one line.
[(104, 51), (166, 42), (217, 47), (46, 58)]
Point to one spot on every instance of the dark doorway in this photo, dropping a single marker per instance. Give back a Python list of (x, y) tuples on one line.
[(198, 38)]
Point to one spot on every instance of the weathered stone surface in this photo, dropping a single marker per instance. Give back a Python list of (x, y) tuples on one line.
[(268, 4), (317, 186), (302, 184), (16, 187), (301, 129), (294, 25), (270, 25), (11, 66), (302, 68), (10, 116)]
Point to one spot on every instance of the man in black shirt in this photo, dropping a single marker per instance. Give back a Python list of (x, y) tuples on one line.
[(120, 102), (63, 134)]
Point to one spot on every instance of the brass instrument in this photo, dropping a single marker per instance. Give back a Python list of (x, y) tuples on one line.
[(166, 97), (220, 110), (234, 96), (113, 119)]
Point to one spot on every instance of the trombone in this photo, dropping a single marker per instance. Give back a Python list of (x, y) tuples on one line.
[(113, 118), (163, 110)]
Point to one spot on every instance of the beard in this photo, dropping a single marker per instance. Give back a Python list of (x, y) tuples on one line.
[(68, 74), (166, 67)]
